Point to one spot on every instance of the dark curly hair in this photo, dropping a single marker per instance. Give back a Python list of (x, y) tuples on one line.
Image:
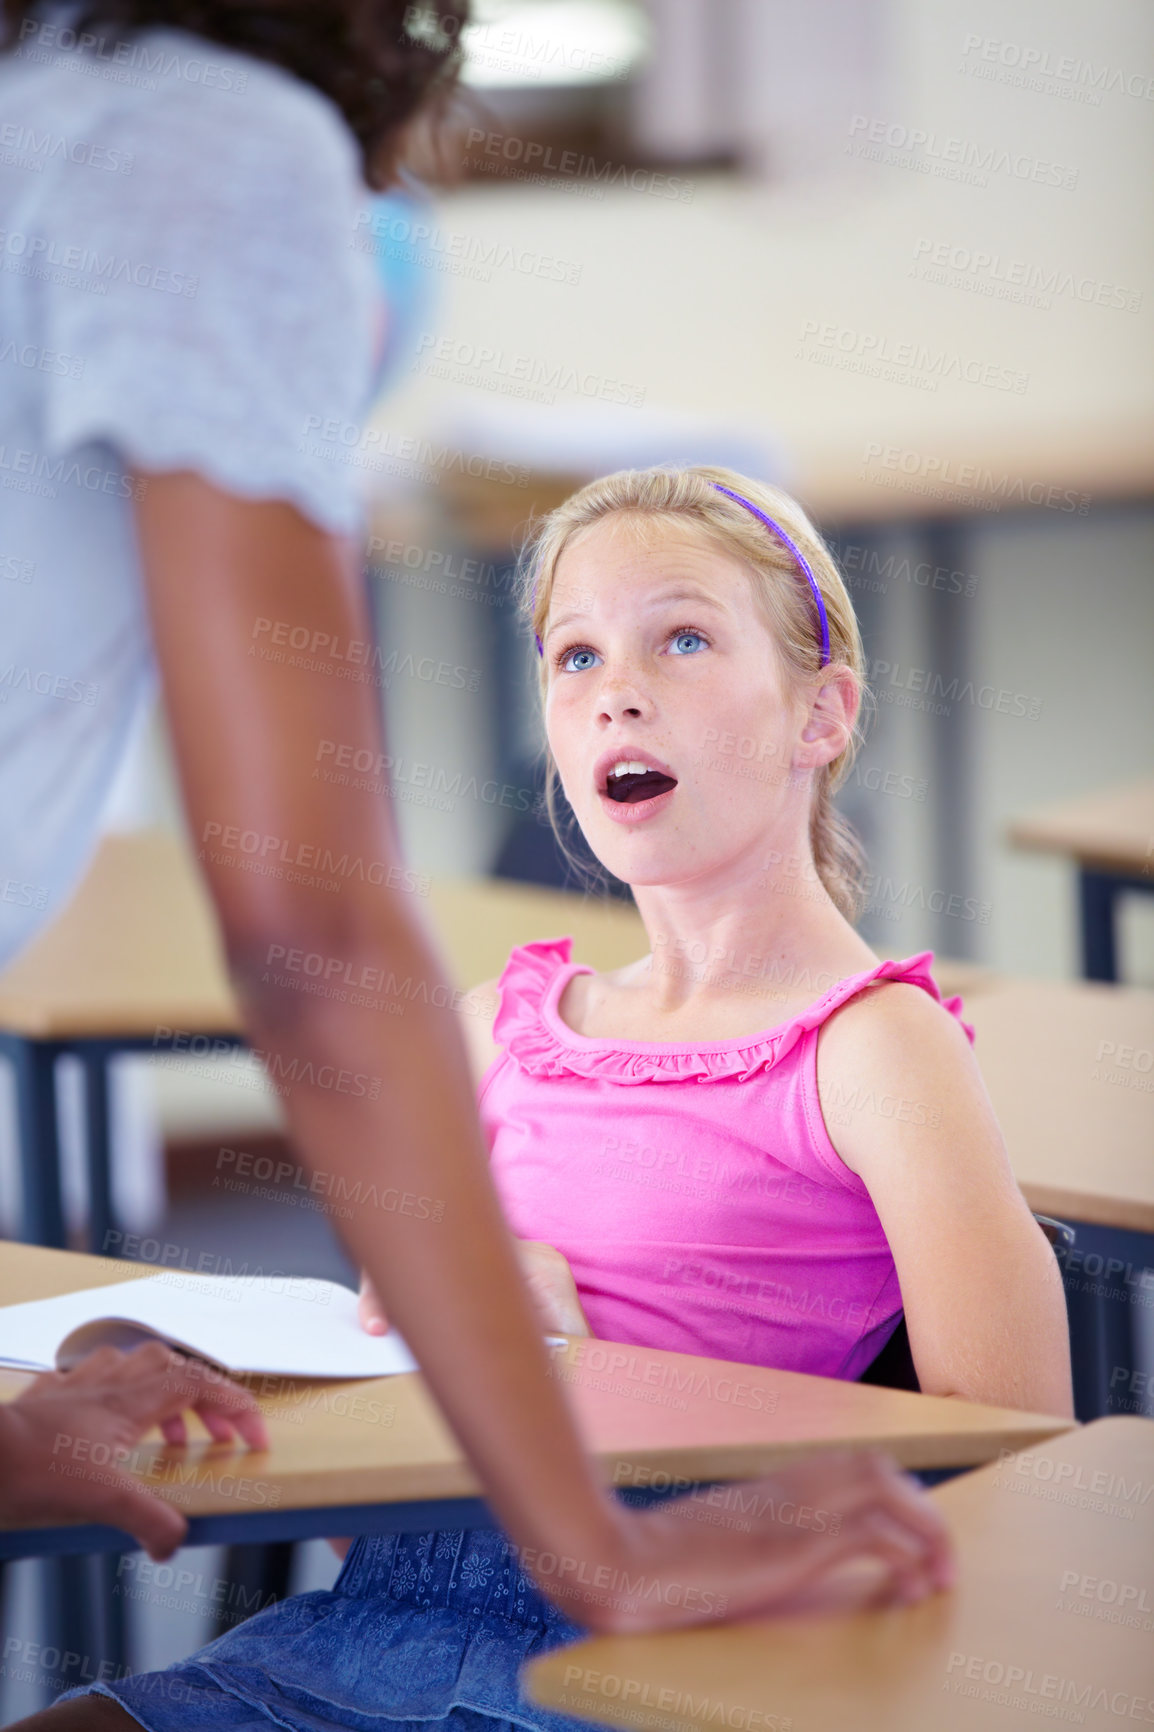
[(382, 62)]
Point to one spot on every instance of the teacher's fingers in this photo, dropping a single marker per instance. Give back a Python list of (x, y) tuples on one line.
[(123, 1503), (153, 1385)]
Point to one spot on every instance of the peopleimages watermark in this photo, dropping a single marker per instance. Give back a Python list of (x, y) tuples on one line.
[(441, 572), (21, 894), (889, 899), (357, 982), (937, 477), (1029, 68), (662, 1708), (271, 1069), (83, 267), (626, 1371), (25, 147), (463, 362), (693, 1172), (212, 1274), (925, 151), (530, 160), (23, 470), (1032, 285), (1124, 1066), (342, 1196), (14, 568), (44, 683), (892, 682), (864, 568), (38, 359), (505, 47), (419, 783), (1104, 1277), (1071, 1483), (314, 650), (1106, 1600), (313, 865), (181, 1589), (419, 240), (121, 61), (411, 455), (40, 1663), (716, 1286), (1047, 1693), (1131, 1391), (919, 365), (92, 1460), (733, 1505)]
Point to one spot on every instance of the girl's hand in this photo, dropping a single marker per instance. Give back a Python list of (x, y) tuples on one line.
[(554, 1291), (370, 1310), (547, 1276)]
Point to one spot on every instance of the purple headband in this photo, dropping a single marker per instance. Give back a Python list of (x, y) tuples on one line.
[(823, 620)]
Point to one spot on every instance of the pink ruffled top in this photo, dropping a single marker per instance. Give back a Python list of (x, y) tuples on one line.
[(693, 1188)]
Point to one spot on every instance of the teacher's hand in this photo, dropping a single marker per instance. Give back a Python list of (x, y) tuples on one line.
[(549, 1280), (838, 1532), (66, 1442)]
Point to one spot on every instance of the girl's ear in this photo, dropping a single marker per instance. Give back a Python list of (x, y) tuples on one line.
[(829, 723)]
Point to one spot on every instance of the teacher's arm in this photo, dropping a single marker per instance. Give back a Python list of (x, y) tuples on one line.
[(303, 867)]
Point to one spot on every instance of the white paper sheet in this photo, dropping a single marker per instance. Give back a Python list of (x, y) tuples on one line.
[(285, 1326)]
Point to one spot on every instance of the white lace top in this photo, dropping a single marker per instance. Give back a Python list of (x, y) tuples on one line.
[(178, 289)]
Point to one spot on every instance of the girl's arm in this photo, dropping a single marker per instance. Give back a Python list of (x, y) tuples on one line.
[(908, 1111)]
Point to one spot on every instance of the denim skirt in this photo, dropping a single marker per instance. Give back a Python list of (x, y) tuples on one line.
[(422, 1630)]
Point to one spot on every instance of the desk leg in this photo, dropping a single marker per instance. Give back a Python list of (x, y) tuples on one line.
[(98, 1146), (1098, 894), (42, 1211)]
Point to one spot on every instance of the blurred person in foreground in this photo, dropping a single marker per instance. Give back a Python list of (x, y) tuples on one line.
[(187, 338)]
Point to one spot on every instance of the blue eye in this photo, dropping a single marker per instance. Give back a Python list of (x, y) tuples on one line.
[(570, 656), (694, 636)]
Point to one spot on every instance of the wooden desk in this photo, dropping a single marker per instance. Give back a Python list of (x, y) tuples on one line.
[(1110, 836), (1013, 1636), (640, 1410), (1069, 1072)]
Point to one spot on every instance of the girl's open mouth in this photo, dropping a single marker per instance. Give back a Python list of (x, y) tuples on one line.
[(631, 788)]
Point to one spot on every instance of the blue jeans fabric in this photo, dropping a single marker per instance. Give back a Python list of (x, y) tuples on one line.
[(424, 1630)]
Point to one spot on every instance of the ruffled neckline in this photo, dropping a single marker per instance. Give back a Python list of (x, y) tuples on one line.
[(528, 1024)]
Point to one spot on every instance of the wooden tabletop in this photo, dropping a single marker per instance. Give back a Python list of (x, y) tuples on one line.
[(1051, 1615), (640, 1410), (1112, 829), (1069, 1070)]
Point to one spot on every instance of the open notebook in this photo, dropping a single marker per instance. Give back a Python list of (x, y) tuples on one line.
[(284, 1326)]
